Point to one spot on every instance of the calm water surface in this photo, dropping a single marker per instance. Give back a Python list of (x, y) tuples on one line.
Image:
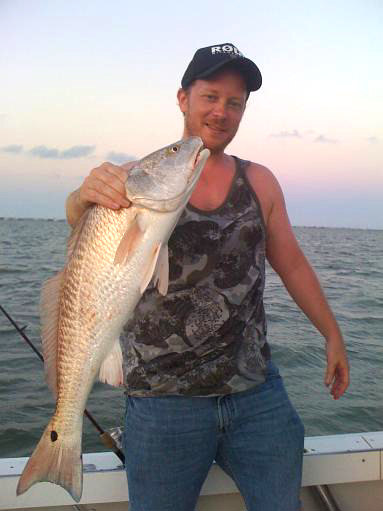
[(349, 263)]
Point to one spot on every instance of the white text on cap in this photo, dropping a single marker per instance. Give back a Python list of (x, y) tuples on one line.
[(227, 48)]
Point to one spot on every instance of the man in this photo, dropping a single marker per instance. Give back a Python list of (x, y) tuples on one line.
[(199, 379)]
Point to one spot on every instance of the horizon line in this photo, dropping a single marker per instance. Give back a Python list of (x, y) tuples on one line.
[(55, 219)]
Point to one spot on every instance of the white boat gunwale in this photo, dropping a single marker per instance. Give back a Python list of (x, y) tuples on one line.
[(328, 460)]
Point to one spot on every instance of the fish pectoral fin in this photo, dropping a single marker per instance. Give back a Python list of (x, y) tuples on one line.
[(161, 274), (129, 242), (111, 369), (49, 312), (150, 267)]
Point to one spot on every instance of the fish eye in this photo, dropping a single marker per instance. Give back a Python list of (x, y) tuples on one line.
[(174, 149)]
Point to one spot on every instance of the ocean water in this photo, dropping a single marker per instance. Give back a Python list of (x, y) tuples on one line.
[(349, 263)]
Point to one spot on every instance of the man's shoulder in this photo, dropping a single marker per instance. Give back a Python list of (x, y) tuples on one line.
[(266, 187), (259, 175)]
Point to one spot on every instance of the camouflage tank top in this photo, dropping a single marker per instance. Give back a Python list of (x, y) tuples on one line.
[(207, 336)]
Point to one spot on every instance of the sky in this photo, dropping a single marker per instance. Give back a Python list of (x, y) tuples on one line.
[(83, 82)]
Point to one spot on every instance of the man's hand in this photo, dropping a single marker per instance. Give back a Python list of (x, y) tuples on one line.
[(338, 372), (105, 186)]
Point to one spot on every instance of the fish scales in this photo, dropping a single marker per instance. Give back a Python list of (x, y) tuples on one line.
[(87, 276)]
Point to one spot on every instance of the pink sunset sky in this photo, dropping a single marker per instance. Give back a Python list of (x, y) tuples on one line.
[(84, 82)]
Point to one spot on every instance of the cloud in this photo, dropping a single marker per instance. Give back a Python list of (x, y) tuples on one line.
[(78, 151), (13, 148), (119, 158), (286, 134), (324, 140), (42, 151)]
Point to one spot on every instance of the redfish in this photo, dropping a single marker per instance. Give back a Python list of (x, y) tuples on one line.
[(112, 258)]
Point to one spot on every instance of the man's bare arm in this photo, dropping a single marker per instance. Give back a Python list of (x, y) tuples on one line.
[(300, 280), (105, 185)]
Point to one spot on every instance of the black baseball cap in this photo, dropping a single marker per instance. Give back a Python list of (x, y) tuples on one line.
[(207, 61)]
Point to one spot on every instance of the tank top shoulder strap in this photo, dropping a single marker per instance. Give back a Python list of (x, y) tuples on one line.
[(241, 176), (241, 166)]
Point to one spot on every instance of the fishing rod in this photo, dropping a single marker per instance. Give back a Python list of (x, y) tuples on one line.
[(105, 437)]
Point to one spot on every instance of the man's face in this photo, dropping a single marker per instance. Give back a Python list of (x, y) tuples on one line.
[(213, 108)]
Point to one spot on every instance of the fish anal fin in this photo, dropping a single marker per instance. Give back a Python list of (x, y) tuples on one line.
[(129, 242), (161, 275), (111, 369), (49, 312), (150, 267), (55, 459)]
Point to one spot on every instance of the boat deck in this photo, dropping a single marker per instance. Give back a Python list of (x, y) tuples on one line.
[(350, 465)]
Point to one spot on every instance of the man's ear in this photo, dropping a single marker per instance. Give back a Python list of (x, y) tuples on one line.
[(183, 99)]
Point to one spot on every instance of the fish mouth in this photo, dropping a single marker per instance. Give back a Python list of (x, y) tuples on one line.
[(198, 156), (201, 153)]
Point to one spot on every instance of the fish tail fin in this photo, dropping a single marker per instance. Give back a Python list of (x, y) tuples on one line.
[(56, 459)]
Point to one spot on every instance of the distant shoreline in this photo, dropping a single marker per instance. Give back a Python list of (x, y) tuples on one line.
[(300, 226)]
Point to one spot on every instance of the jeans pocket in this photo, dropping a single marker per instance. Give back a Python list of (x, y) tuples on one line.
[(273, 380)]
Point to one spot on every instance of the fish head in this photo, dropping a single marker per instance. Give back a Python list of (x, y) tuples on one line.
[(165, 179)]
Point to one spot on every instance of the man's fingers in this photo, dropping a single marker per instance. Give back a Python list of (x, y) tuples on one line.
[(338, 389), (339, 378), (114, 178), (105, 189), (330, 374), (105, 185), (112, 170), (342, 381), (337, 372), (128, 166), (103, 200)]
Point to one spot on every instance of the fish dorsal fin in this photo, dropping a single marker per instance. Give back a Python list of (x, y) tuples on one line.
[(111, 369), (49, 311), (76, 231), (150, 267), (161, 274), (129, 242)]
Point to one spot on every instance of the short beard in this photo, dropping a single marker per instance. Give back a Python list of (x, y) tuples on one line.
[(190, 133)]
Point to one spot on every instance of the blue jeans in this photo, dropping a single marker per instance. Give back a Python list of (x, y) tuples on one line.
[(256, 436)]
